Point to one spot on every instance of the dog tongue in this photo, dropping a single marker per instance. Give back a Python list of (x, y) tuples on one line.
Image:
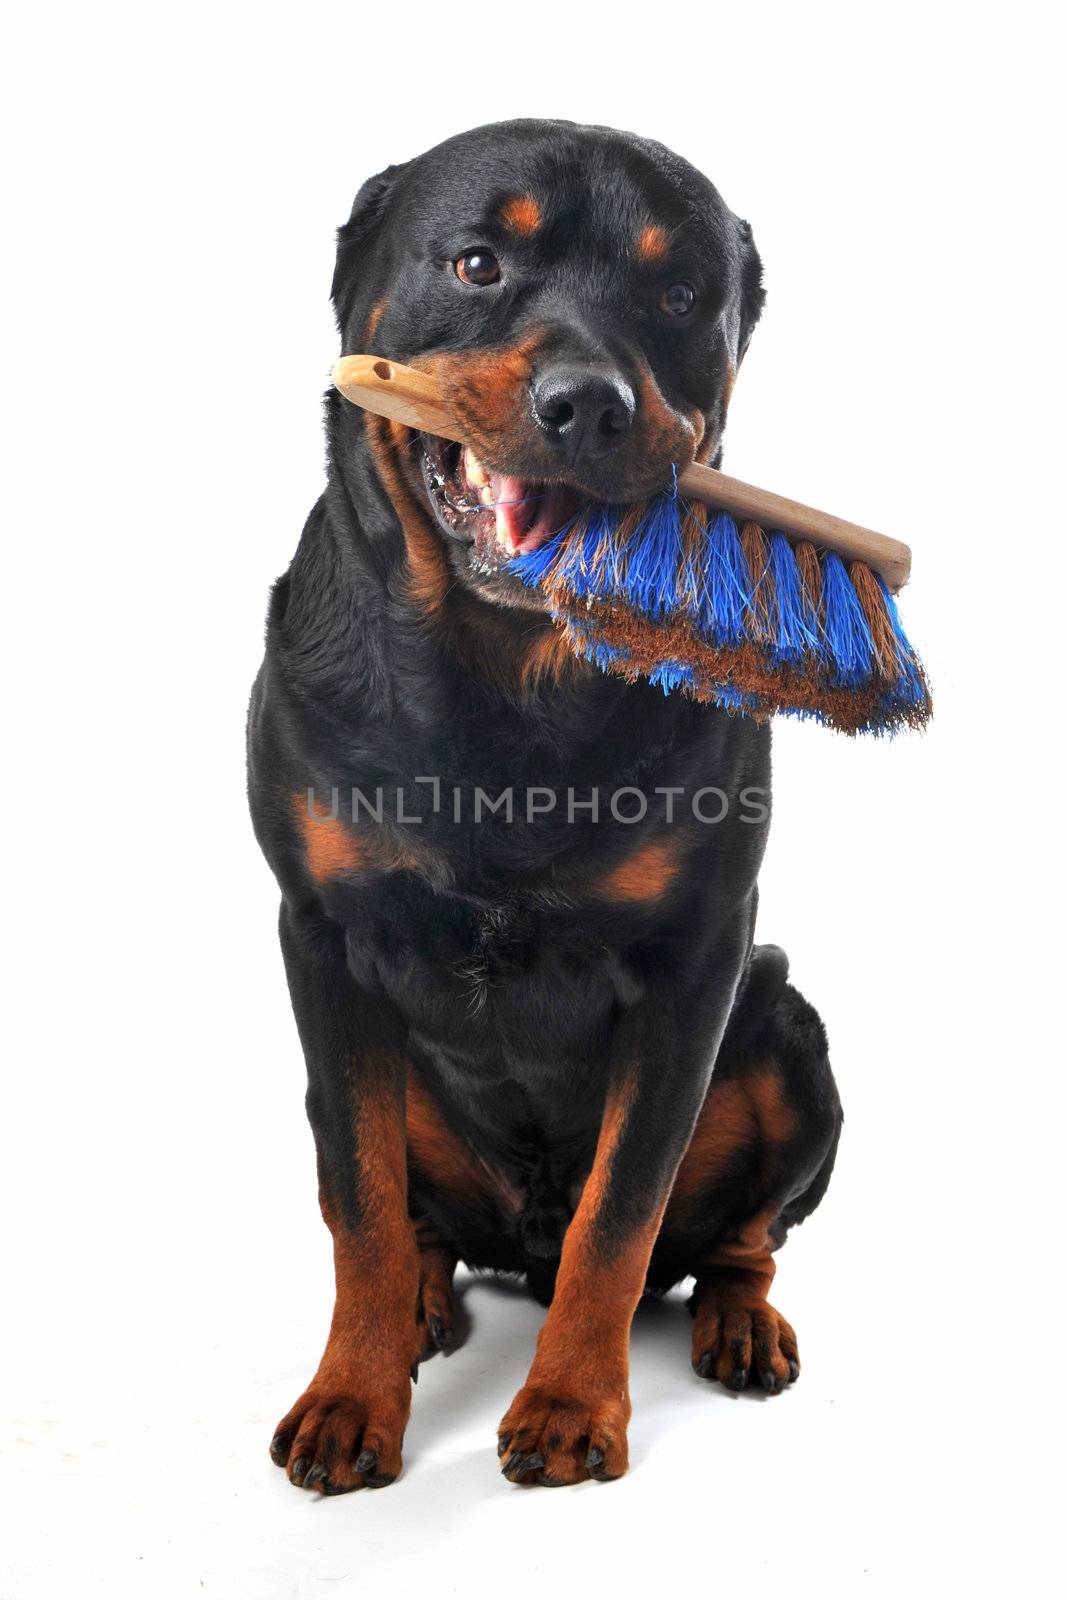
[(524, 514), (514, 511)]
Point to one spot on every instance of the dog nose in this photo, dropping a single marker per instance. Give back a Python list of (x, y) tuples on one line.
[(582, 410)]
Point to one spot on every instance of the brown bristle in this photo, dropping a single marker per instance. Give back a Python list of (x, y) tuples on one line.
[(757, 556), (599, 559), (630, 521), (871, 598), (810, 573), (549, 581), (692, 539)]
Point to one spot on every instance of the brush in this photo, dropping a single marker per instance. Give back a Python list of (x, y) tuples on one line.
[(715, 588)]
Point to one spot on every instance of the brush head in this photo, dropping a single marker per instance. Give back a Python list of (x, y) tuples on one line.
[(683, 596)]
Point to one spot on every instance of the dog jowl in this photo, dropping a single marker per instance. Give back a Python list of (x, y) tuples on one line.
[(540, 1038)]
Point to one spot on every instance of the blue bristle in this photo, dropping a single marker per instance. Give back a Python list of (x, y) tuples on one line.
[(653, 556), (848, 638), (605, 656), (729, 586), (732, 699), (672, 675), (905, 654), (534, 567), (795, 623), (911, 689)]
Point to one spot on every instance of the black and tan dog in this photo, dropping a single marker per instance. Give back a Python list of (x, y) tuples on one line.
[(518, 895)]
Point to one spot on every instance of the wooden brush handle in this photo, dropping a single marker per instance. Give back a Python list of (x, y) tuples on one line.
[(391, 390), (887, 556), (413, 398)]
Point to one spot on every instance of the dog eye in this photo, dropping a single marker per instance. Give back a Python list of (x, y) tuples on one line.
[(478, 267), (678, 299)]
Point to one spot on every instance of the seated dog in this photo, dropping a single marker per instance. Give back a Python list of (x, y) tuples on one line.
[(518, 894)]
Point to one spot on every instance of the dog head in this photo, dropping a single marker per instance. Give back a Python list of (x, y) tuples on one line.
[(582, 296)]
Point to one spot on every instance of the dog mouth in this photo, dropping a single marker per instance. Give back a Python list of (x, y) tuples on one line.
[(497, 515)]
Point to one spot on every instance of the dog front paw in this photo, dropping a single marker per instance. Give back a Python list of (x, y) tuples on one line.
[(554, 1438), (339, 1441)]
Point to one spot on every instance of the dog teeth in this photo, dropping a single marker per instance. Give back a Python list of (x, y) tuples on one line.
[(475, 472)]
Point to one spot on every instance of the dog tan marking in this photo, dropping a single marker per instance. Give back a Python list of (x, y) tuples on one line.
[(713, 426), (666, 435), (377, 312), (709, 443), (728, 388), (653, 242), (442, 1156), (427, 566), (522, 214), (741, 1269), (547, 660), (330, 848), (647, 874), (486, 391), (749, 1112)]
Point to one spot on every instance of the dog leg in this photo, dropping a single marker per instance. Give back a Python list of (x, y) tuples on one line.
[(346, 1429), (737, 1333), (569, 1420), (759, 1159)]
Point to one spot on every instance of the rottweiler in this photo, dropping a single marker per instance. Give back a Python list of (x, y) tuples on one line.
[(518, 893)]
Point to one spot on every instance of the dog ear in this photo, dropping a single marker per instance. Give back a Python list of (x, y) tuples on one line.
[(753, 294), (354, 237)]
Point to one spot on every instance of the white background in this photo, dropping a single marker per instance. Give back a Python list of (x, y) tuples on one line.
[(175, 175)]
